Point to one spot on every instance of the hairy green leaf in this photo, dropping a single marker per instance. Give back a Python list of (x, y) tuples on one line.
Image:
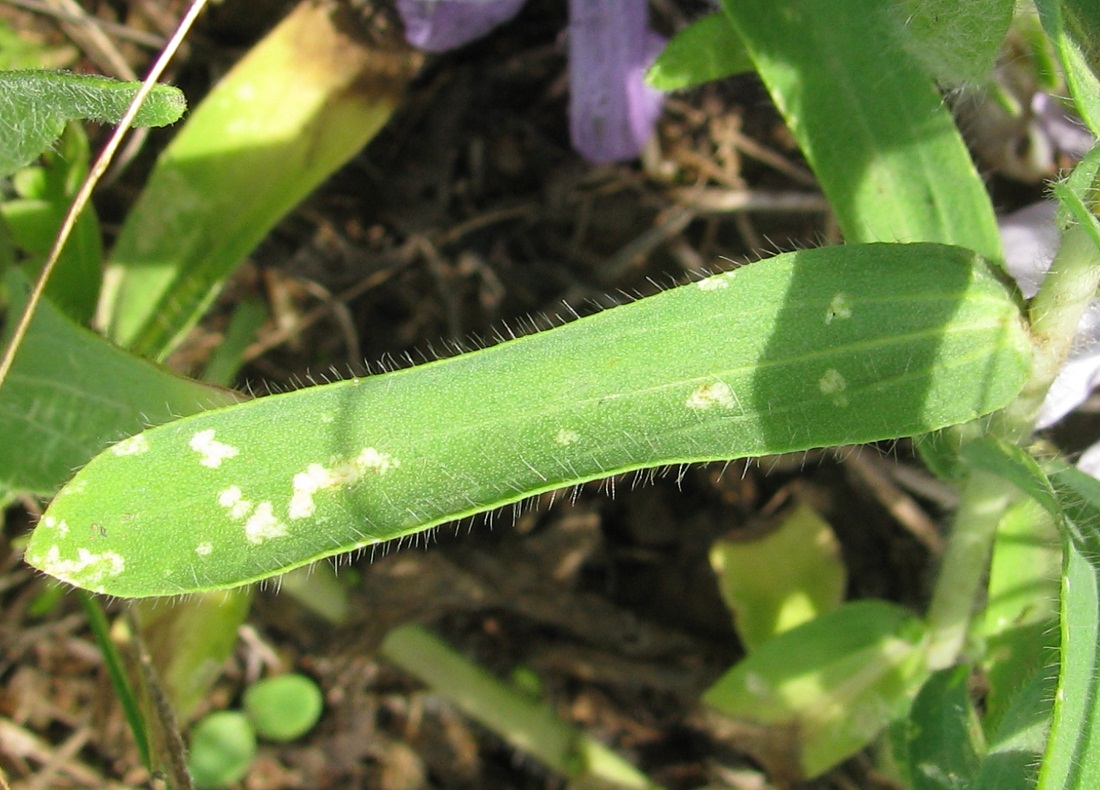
[(808, 349), (1072, 759), (956, 42), (35, 104), (1016, 744), (1074, 28), (1013, 464)]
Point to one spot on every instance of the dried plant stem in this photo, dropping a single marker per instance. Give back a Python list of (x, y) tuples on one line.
[(84, 194)]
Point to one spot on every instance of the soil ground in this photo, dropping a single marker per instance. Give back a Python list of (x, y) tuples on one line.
[(471, 213)]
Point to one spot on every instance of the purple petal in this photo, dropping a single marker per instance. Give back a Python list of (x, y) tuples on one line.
[(612, 112), (439, 25)]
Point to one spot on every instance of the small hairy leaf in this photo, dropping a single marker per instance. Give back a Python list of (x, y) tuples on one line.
[(808, 349), (1074, 29), (35, 104), (956, 42)]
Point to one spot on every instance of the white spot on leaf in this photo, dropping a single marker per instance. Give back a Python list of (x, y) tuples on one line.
[(135, 445), (839, 307), (262, 525), (711, 395), (833, 385), (212, 451), (716, 283), (49, 522), (341, 475), (87, 570), (204, 548), (238, 506), (566, 437)]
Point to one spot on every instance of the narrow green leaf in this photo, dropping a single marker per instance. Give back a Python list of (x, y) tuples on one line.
[(836, 681), (869, 121), (297, 107), (116, 671), (808, 349), (1072, 759), (945, 737), (248, 316), (706, 50), (70, 394), (35, 104)]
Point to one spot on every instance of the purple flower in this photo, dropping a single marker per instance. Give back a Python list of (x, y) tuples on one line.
[(439, 25), (612, 113)]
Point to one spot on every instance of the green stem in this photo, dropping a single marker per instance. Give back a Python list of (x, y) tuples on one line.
[(965, 562), (1054, 315), (527, 724)]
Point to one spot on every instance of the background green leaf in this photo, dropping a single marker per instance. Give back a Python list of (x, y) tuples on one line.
[(869, 121), (835, 682), (945, 737), (1074, 28), (70, 394), (43, 195), (782, 578), (296, 108)]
